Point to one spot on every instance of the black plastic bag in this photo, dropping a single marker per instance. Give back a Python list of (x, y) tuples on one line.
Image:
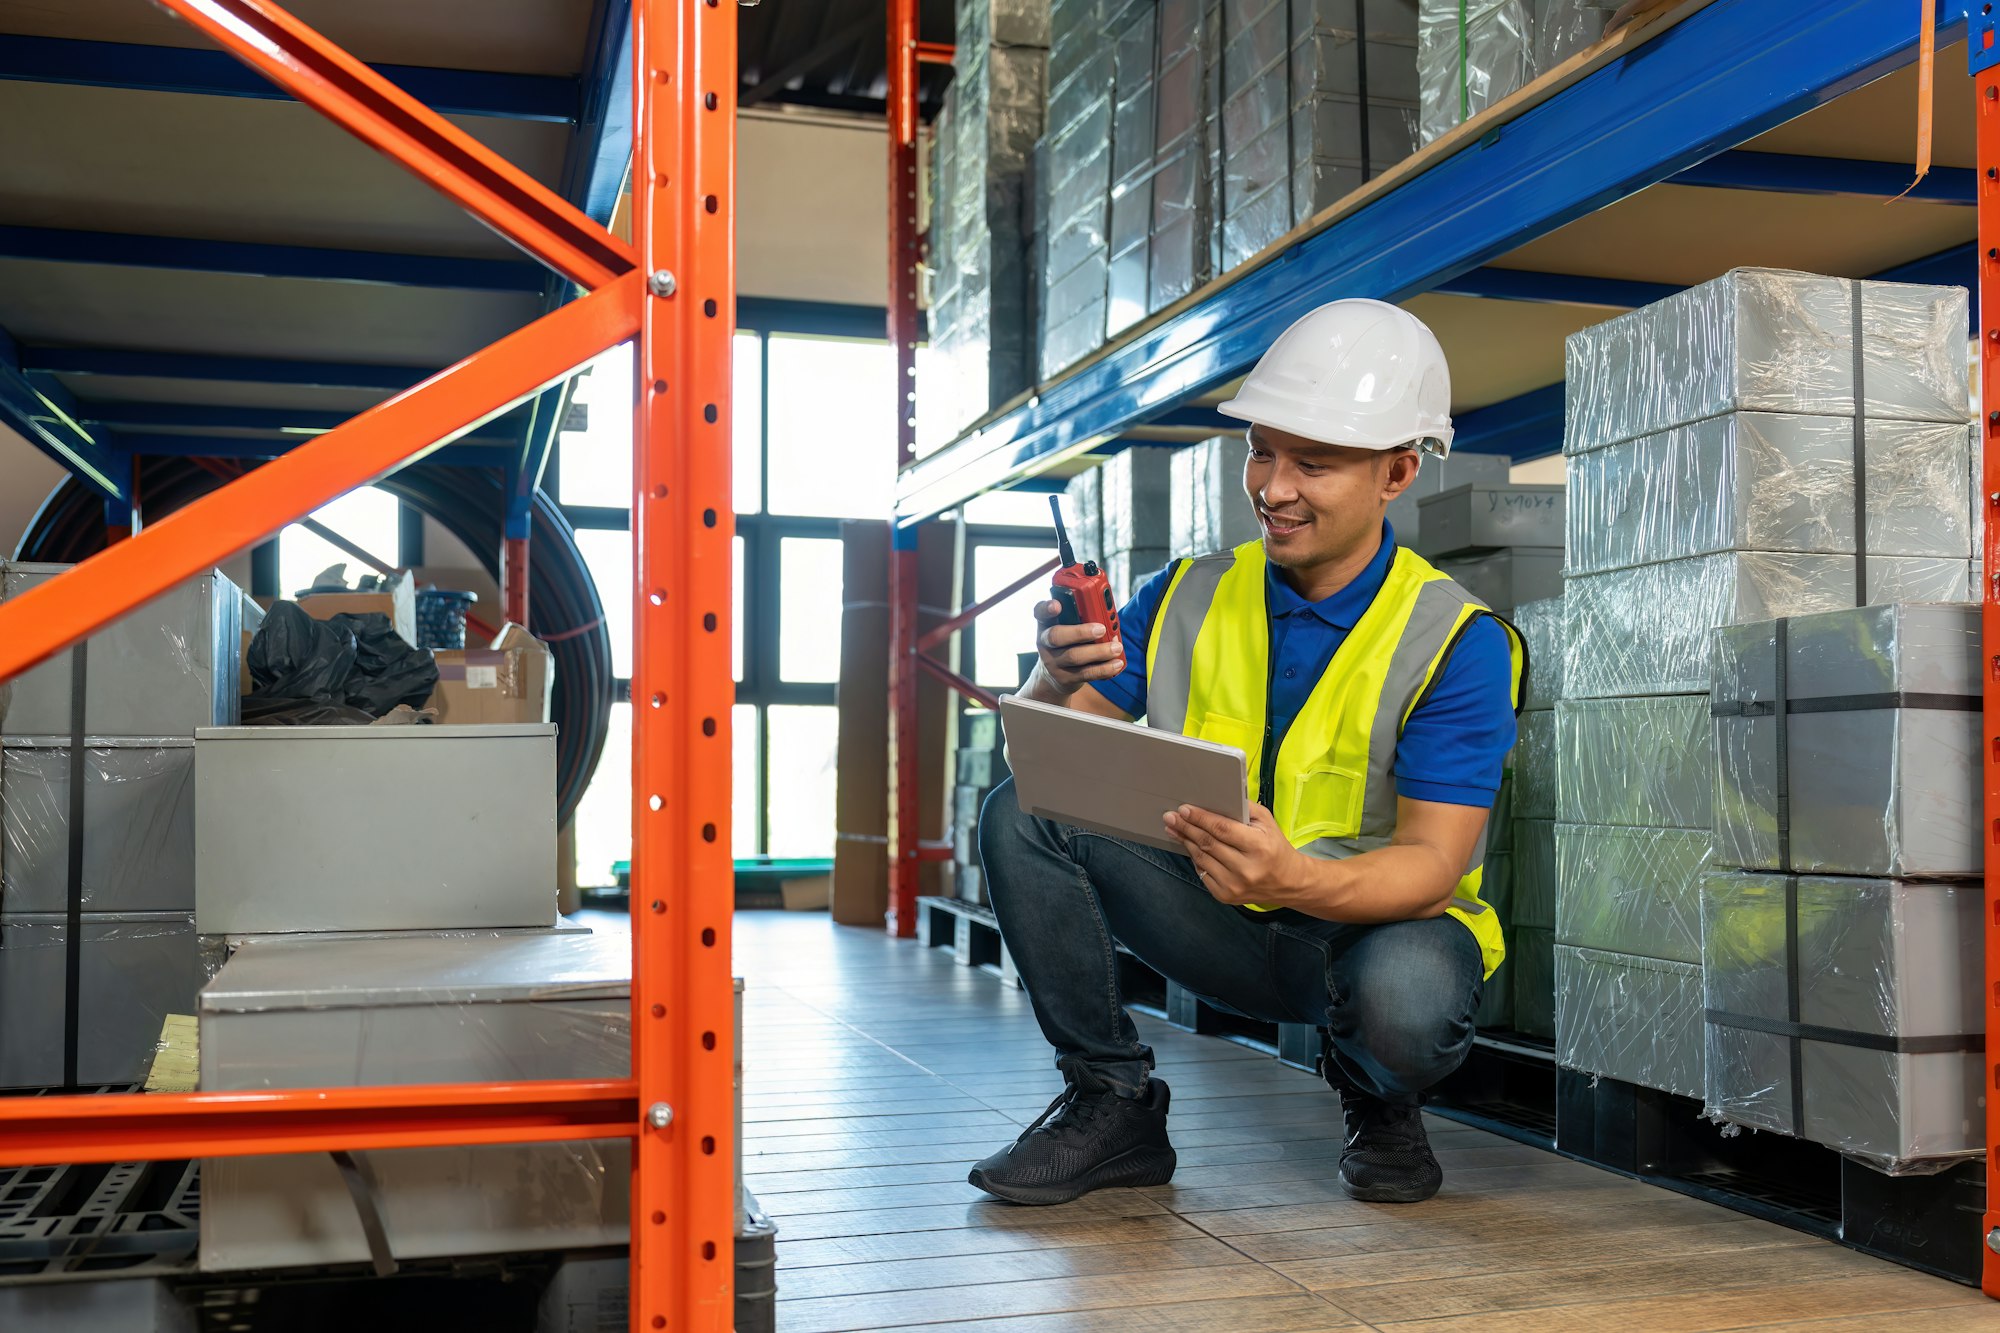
[(296, 657), (387, 670)]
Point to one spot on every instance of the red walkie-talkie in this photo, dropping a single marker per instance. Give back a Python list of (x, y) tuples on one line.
[(1083, 589)]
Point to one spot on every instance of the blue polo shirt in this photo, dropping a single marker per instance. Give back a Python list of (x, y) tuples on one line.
[(1454, 745)]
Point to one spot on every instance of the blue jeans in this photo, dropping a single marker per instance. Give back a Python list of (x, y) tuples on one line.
[(1396, 999)]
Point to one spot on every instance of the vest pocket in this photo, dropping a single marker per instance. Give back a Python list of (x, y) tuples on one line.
[(1327, 803), (1220, 730)]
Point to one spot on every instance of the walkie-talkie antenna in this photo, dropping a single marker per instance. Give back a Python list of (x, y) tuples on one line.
[(1062, 533)]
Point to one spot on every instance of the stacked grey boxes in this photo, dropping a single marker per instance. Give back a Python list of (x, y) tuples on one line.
[(1715, 454), (151, 679), (1528, 824), (1318, 97), (1470, 55), (1135, 491), (1849, 791), (1436, 475), (1210, 509), (982, 333), (1502, 543), (1075, 182), (982, 766)]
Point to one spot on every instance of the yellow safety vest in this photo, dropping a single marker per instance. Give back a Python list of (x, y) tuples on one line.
[(1333, 786)]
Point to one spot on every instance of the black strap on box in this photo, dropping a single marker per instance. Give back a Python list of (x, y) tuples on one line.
[(1851, 703), (1860, 457), (1361, 80), (79, 676)]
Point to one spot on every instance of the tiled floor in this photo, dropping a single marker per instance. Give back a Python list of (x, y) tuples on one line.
[(876, 1071)]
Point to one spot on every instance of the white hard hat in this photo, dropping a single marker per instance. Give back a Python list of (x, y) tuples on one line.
[(1360, 373)]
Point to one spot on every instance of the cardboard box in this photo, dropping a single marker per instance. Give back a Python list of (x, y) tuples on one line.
[(511, 681), (398, 602)]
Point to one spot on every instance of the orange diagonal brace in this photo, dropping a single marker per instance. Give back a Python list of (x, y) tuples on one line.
[(40, 1131), (43, 621), (323, 76)]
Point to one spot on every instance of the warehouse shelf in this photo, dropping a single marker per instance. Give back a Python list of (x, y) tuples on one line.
[(1728, 133)]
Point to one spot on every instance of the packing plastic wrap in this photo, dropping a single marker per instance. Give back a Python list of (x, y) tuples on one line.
[(1136, 488), (1434, 475), (1179, 243), (1476, 518), (1756, 481), (136, 968), (163, 670), (138, 848), (1077, 151), (1882, 735), (1635, 1019), (1882, 963), (1134, 139), (1128, 569), (1542, 629), (1531, 958), (359, 1012), (1767, 340), (1643, 761), (1210, 510), (1496, 890), (1083, 513), (1564, 27), (1534, 765), (1631, 890), (1506, 578), (1470, 54), (1645, 630)]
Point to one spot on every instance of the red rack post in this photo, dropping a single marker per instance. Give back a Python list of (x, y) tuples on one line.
[(1987, 114), (903, 259)]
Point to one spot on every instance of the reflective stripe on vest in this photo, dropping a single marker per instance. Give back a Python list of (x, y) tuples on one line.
[(1334, 787)]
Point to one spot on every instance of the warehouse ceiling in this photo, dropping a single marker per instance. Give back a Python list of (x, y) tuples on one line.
[(832, 53)]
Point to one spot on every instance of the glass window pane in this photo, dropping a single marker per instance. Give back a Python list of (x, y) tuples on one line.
[(1013, 509), (809, 609), (597, 461), (832, 427), (802, 780), (746, 425), (368, 517), (604, 815), (608, 556), (736, 609), (743, 761), (1009, 628)]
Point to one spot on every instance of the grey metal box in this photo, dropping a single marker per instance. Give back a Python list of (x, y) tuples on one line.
[(367, 828), (1534, 845), (1877, 959), (1636, 1019), (1477, 518), (1882, 739), (165, 669), (138, 846), (1647, 761), (349, 1013), (1631, 890), (136, 968), (1435, 475), (1504, 579), (1531, 958)]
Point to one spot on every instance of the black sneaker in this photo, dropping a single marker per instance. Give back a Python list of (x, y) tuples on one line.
[(1090, 1138), (1386, 1157)]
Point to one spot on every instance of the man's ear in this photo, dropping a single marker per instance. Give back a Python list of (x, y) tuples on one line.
[(1400, 471)]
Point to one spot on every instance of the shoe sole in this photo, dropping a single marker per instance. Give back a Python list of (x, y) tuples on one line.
[(1390, 1194), (1128, 1170)]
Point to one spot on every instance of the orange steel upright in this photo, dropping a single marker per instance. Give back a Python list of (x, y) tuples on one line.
[(1987, 114), (903, 668), (680, 304)]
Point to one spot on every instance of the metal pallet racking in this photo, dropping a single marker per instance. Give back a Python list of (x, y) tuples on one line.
[(1661, 104), (672, 292)]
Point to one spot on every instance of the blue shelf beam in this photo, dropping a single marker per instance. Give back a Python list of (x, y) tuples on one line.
[(172, 69), (257, 260), (1529, 425), (1723, 75), (82, 361), (47, 419), (457, 454), (1790, 173), (1508, 284)]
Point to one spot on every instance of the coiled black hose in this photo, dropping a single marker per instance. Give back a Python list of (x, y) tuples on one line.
[(469, 503)]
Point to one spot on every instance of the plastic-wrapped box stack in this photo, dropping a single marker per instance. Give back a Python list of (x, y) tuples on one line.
[(1075, 182), (1843, 964), (151, 680), (1318, 97), (1210, 509), (1717, 461), (982, 766), (1527, 822), (1471, 55), (1135, 488), (981, 330)]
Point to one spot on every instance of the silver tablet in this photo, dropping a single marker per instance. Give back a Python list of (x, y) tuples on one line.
[(1116, 777)]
